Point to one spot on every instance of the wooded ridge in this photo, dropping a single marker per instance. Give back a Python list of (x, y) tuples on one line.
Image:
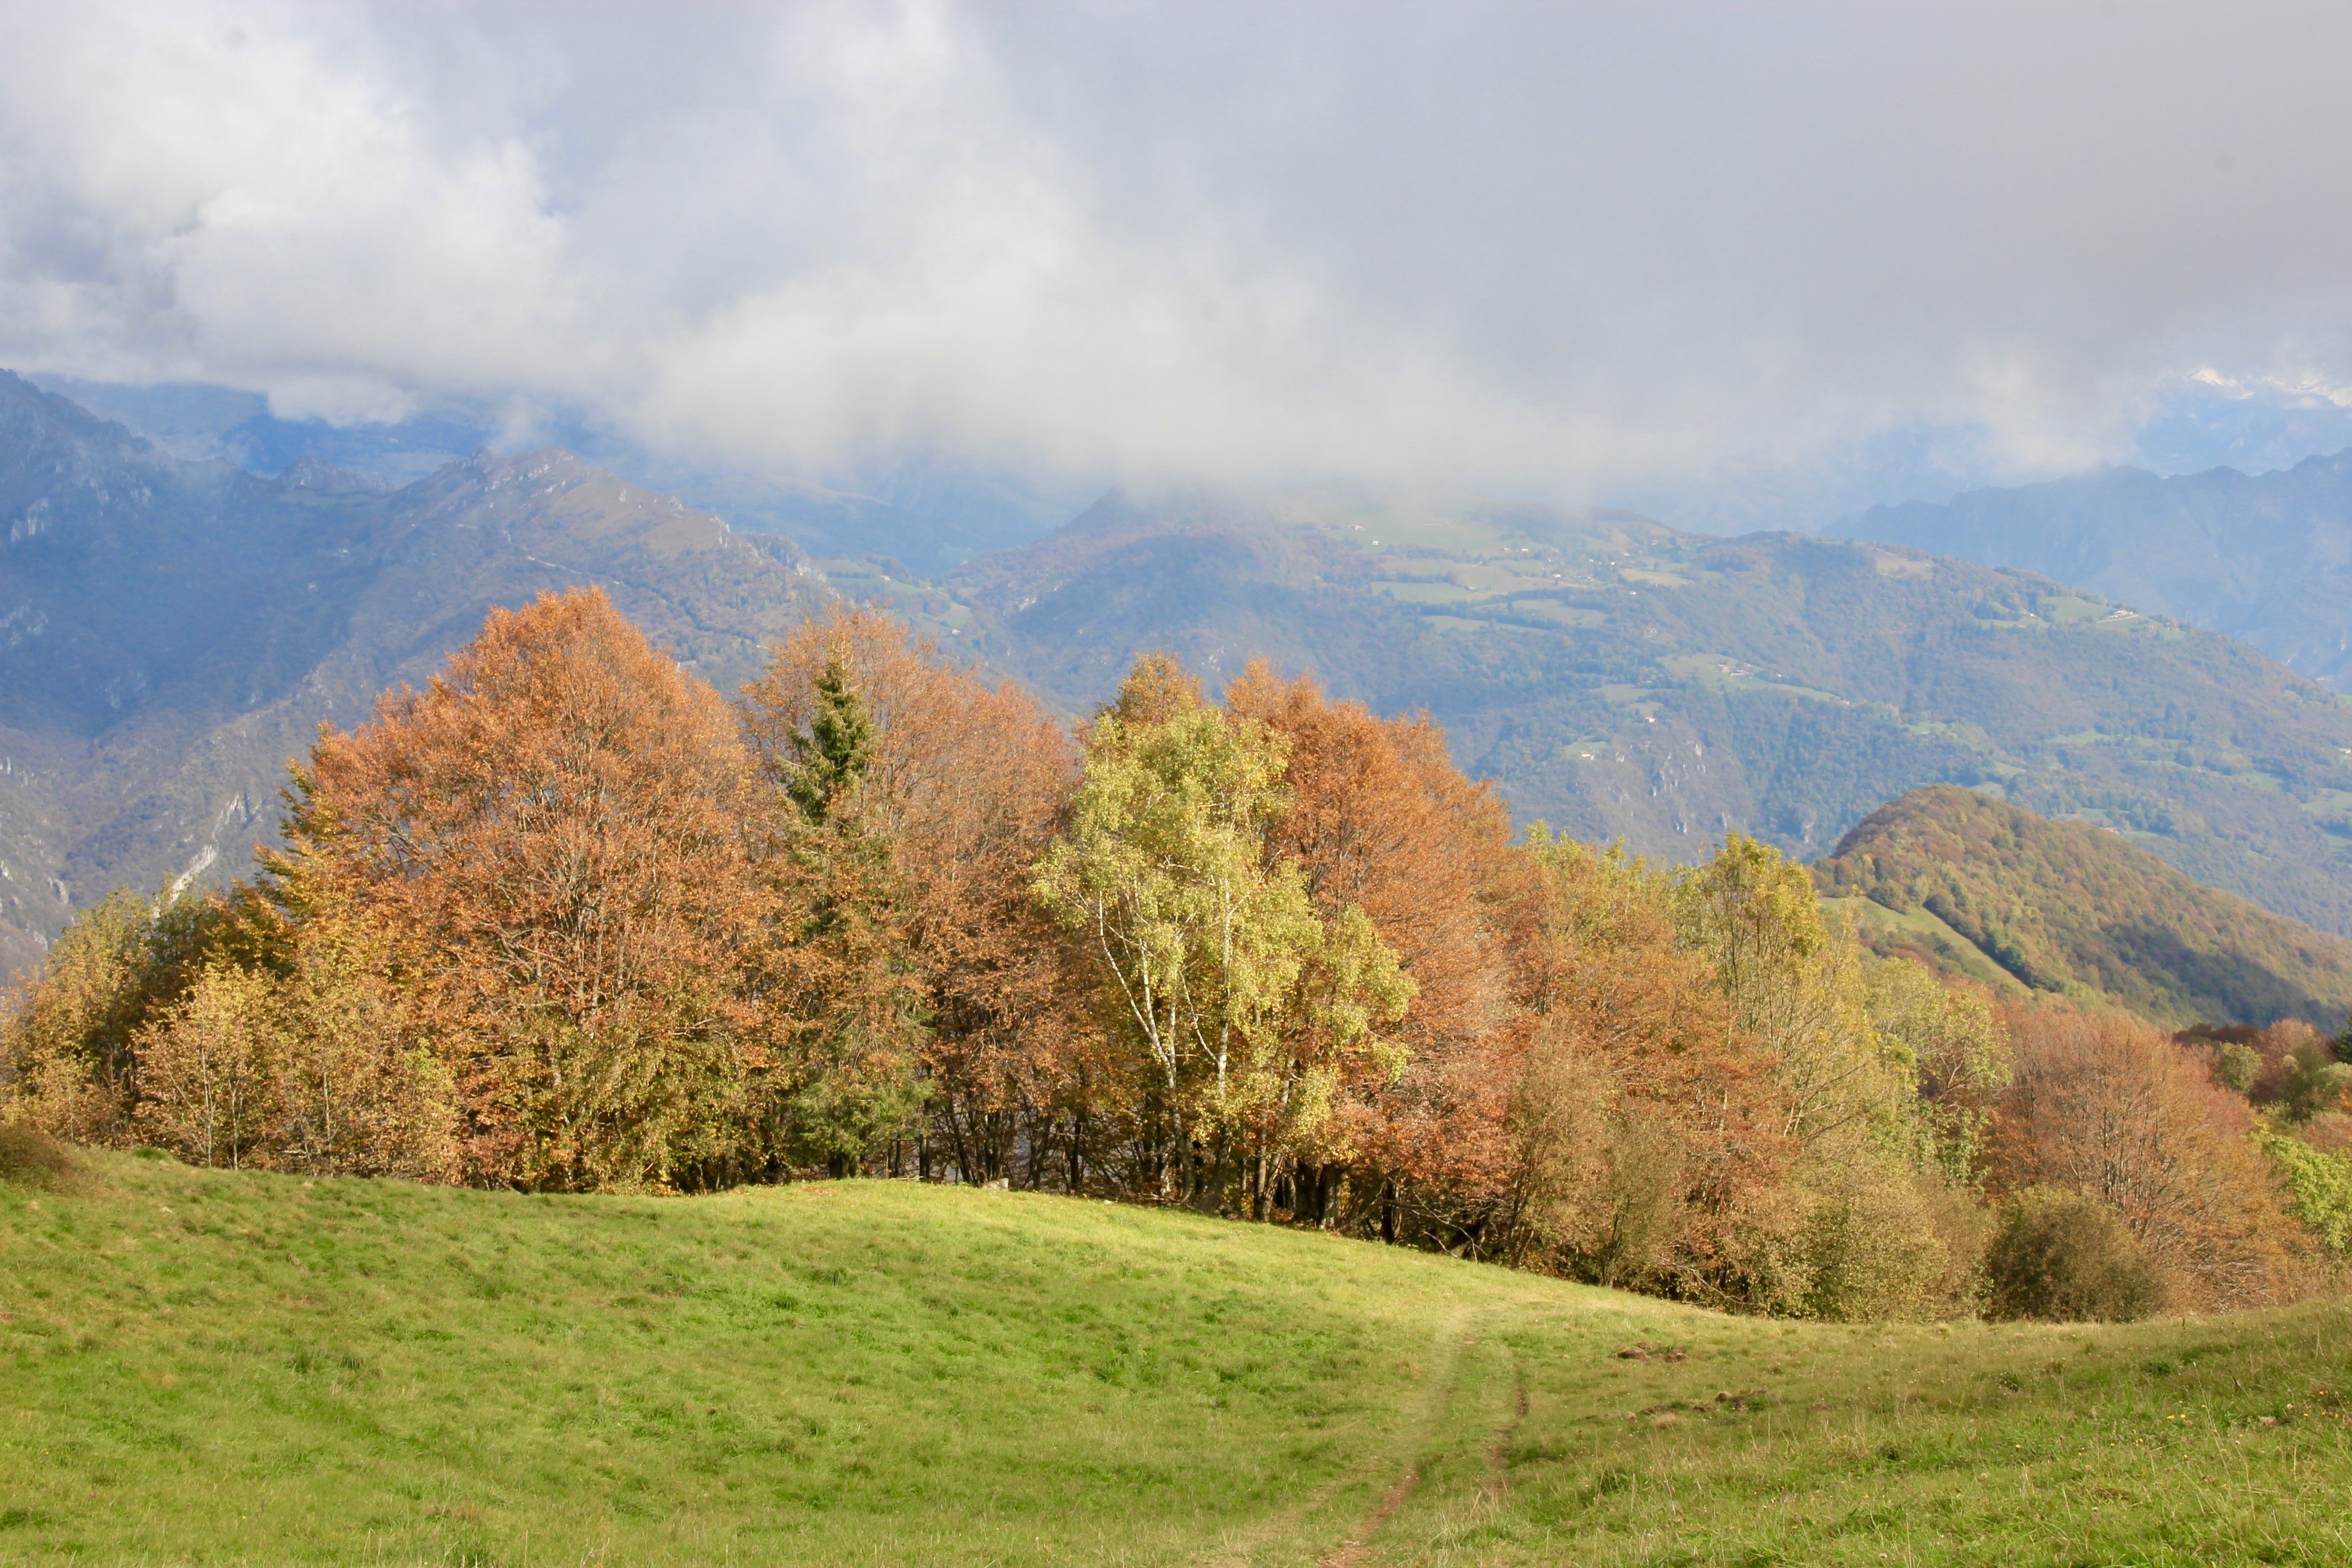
[(562, 920), (1619, 679), (2078, 909)]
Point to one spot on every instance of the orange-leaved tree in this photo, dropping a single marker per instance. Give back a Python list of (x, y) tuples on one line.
[(1380, 823), (1646, 1127), (911, 797), (548, 849), (2107, 1106)]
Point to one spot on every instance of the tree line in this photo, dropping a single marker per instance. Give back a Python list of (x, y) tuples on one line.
[(566, 920)]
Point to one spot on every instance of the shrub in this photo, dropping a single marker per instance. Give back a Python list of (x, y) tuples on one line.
[(2235, 1066), (2061, 1256), (1889, 1241), (31, 1159), (1874, 1252), (2110, 1108), (65, 1036), (2313, 1081)]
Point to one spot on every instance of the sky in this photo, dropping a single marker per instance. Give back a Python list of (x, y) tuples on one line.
[(1662, 253)]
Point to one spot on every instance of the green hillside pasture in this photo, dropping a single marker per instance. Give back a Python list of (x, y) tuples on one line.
[(2079, 906), (205, 1366), (1882, 927)]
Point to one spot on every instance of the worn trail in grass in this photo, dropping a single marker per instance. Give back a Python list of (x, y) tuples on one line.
[(210, 1367)]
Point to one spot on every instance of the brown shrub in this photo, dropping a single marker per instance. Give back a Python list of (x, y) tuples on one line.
[(31, 1159), (2069, 1258), (1888, 1241), (2108, 1107)]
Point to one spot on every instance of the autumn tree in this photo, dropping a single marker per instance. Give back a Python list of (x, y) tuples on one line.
[(70, 1034), (1248, 1007), (1378, 821), (1866, 1223), (923, 795), (1958, 1050), (549, 846), (2108, 1107), (1641, 1131), (209, 1070), (1796, 987)]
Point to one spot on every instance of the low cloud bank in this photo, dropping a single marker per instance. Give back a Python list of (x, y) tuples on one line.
[(1543, 249)]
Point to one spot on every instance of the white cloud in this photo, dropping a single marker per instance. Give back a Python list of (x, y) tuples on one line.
[(1541, 248)]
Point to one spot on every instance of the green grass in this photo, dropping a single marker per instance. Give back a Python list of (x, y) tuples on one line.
[(200, 1366), (1874, 920)]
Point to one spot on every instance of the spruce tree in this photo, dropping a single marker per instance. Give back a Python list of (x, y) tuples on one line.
[(833, 752)]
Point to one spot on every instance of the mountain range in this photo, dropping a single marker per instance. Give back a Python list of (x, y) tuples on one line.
[(919, 516), (173, 629), (171, 632), (1621, 679), (2266, 558)]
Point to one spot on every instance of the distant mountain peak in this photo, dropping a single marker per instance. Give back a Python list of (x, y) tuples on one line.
[(2258, 556), (27, 408), (549, 498)]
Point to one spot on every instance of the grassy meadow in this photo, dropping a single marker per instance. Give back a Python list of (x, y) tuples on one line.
[(215, 1367)]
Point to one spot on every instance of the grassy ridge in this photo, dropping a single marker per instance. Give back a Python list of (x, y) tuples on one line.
[(214, 1367), (2069, 906)]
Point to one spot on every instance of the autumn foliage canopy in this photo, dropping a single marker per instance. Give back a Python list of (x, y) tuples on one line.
[(567, 920)]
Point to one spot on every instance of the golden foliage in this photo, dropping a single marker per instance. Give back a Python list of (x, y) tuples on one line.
[(2106, 1106), (554, 842), (564, 920)]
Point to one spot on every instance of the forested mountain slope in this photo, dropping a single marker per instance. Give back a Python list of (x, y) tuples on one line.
[(2266, 557), (1620, 677), (171, 632), (1971, 882)]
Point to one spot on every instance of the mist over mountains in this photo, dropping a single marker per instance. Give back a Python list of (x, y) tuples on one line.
[(928, 516), (172, 630)]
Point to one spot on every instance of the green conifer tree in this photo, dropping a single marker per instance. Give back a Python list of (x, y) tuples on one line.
[(833, 753)]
